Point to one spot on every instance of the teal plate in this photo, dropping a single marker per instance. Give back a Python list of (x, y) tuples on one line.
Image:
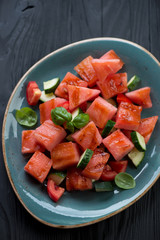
[(78, 208)]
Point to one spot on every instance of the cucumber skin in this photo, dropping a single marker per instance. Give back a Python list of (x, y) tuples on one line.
[(103, 187), (131, 86), (83, 163), (108, 128), (52, 90), (136, 142), (134, 163)]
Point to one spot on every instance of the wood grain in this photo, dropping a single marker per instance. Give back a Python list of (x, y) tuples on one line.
[(30, 29)]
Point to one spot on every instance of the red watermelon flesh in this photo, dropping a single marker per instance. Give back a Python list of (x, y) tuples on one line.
[(112, 55), (141, 97), (88, 137), (118, 144), (79, 95), (147, 126), (70, 79), (113, 84), (100, 111)]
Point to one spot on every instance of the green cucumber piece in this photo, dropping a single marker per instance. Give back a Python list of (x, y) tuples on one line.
[(133, 82), (138, 141), (57, 177), (85, 158), (76, 112), (108, 128), (51, 85), (136, 156), (46, 97), (103, 186)]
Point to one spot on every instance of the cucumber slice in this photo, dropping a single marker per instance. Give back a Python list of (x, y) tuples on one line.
[(112, 101), (57, 177), (103, 186), (108, 128), (85, 158), (76, 112), (138, 141), (46, 97), (51, 85), (136, 156), (133, 82)]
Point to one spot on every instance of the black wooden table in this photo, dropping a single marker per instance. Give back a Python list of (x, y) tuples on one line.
[(30, 29)]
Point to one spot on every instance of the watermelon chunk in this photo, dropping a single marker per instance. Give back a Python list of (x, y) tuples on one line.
[(118, 144), (113, 84), (112, 55), (120, 166), (70, 79), (88, 137), (86, 71), (128, 116), (141, 97), (29, 142), (46, 107), (49, 135), (79, 95), (76, 181), (147, 126), (38, 166), (100, 111), (105, 67), (65, 155), (96, 164)]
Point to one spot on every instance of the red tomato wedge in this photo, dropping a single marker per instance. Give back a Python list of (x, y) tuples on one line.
[(128, 116), (55, 192), (112, 55), (127, 133), (86, 71), (76, 181), (62, 90), (118, 144), (108, 174), (33, 93), (65, 155), (49, 135), (118, 167), (141, 97), (79, 95), (38, 166), (113, 84), (46, 107), (88, 137), (147, 126), (100, 111), (29, 142), (122, 98), (96, 164), (105, 67)]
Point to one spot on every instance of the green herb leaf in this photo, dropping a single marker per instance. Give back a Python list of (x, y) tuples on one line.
[(60, 115), (70, 127), (125, 180), (26, 117), (81, 120)]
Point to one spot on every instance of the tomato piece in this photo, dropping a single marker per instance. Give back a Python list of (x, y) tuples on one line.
[(108, 174), (86, 71), (122, 98), (33, 93), (64, 105), (29, 142), (65, 155), (83, 106), (128, 116), (55, 192), (69, 79), (147, 126), (118, 144), (113, 84), (127, 133), (38, 166), (120, 166), (76, 181), (96, 164)]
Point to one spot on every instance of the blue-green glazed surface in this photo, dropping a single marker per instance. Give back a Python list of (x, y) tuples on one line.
[(81, 208)]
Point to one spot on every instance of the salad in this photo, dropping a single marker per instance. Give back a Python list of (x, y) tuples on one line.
[(90, 127)]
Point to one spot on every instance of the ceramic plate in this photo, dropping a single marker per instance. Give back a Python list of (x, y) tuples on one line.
[(79, 208)]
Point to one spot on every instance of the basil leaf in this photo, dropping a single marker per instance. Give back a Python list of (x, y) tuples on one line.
[(70, 127), (26, 117), (124, 180), (81, 120), (60, 115)]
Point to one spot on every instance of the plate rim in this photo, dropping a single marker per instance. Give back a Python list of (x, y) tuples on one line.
[(4, 123)]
